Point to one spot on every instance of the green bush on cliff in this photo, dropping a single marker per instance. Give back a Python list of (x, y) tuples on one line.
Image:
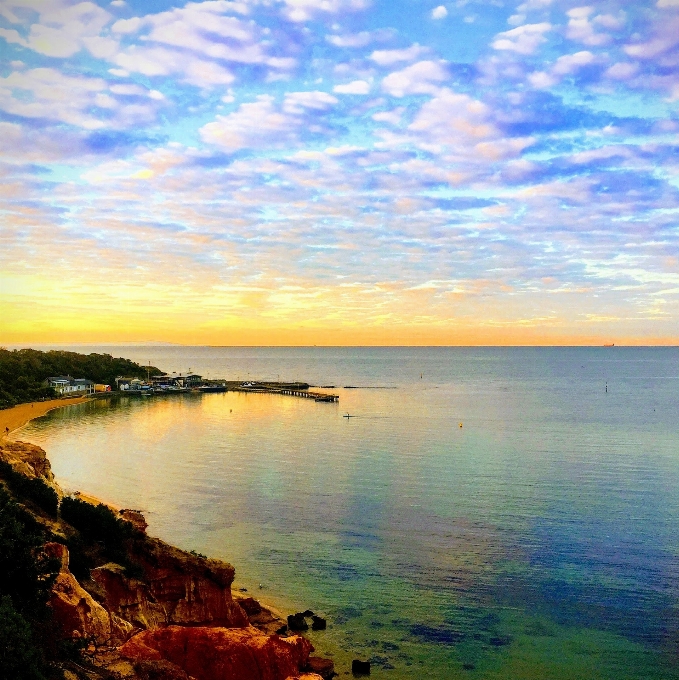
[(43, 495), (20, 658), (23, 372), (98, 524), (25, 582)]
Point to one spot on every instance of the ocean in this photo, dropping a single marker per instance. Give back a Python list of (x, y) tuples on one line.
[(488, 513)]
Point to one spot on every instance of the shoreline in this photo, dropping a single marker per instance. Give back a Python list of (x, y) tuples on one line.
[(17, 416)]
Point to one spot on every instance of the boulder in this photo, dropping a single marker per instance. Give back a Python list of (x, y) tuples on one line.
[(318, 623), (360, 667), (222, 653), (297, 622), (250, 605), (323, 667)]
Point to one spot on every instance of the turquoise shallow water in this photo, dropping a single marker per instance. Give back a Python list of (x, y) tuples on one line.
[(540, 540)]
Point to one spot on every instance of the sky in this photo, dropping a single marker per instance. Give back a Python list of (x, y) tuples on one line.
[(331, 172)]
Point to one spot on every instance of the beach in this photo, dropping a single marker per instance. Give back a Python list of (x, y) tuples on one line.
[(13, 418)]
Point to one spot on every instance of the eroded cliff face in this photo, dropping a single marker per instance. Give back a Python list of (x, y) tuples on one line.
[(29, 460), (76, 613), (222, 653), (177, 588)]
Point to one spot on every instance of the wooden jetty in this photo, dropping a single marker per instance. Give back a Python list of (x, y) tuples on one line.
[(291, 391)]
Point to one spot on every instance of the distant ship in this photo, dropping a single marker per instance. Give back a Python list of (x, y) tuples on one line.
[(609, 344)]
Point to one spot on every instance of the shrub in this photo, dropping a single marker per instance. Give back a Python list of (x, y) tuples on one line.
[(36, 490), (22, 576), (98, 524), (25, 583), (20, 658)]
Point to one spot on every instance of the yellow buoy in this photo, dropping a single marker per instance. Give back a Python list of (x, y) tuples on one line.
[(460, 424)]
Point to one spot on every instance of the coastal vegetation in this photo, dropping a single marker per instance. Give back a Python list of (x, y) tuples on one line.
[(23, 372), (26, 642)]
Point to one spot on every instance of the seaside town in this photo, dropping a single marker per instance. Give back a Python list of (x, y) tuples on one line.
[(178, 383)]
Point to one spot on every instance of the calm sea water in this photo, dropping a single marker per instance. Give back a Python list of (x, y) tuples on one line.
[(539, 540)]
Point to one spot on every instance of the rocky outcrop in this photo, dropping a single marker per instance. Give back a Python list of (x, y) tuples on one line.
[(135, 518), (76, 613), (29, 460), (222, 653), (177, 588)]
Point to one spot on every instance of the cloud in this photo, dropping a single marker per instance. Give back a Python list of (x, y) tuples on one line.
[(359, 39), (355, 87), (298, 102), (53, 96), (622, 71), (392, 117), (439, 12), (581, 29), (199, 41), (420, 78), (389, 57), (569, 63), (664, 39), (523, 39), (564, 65), (261, 123), (304, 10), (62, 28), (88, 103)]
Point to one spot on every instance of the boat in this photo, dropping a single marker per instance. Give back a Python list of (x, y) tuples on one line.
[(609, 344)]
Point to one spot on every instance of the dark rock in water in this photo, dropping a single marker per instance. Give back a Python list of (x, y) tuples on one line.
[(468, 666), (282, 630), (250, 605), (160, 670), (500, 640), (324, 667), (442, 635), (297, 622), (308, 612), (360, 667), (381, 662), (318, 623)]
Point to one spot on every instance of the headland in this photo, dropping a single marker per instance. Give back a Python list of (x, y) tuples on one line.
[(124, 605)]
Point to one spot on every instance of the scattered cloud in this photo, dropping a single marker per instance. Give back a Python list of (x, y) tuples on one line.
[(524, 39), (389, 57), (420, 78), (354, 87), (290, 144)]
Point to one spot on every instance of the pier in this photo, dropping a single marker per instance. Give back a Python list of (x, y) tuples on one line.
[(289, 390)]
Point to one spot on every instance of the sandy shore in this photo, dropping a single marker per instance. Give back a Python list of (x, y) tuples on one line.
[(17, 416)]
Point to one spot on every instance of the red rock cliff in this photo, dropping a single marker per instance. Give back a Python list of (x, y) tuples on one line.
[(177, 588), (222, 653)]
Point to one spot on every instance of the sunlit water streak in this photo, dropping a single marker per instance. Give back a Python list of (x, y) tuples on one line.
[(540, 540)]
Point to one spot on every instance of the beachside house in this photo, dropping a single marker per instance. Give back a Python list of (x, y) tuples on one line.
[(188, 379), (64, 384)]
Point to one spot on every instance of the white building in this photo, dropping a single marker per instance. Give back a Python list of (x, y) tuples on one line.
[(64, 384)]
